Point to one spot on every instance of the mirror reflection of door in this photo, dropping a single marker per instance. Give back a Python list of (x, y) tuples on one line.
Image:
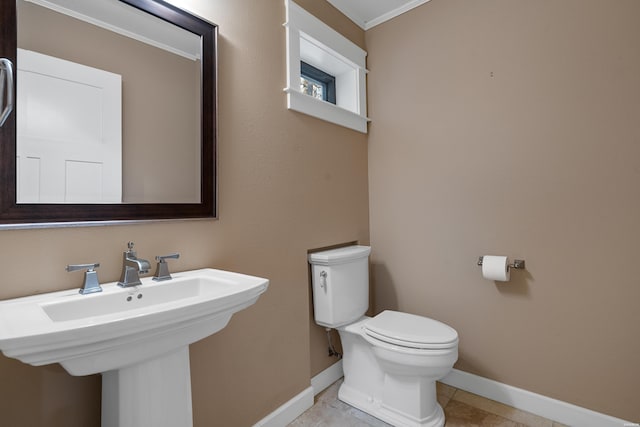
[(69, 132), (161, 68)]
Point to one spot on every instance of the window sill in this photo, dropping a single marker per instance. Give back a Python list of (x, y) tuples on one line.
[(327, 111)]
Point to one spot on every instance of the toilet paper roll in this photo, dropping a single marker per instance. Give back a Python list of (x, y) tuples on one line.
[(495, 268)]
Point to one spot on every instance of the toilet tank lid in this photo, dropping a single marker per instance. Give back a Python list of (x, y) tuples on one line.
[(339, 255)]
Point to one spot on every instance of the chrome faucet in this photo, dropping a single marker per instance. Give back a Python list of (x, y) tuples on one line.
[(132, 266)]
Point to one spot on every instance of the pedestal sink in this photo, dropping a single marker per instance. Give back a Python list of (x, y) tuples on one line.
[(137, 337)]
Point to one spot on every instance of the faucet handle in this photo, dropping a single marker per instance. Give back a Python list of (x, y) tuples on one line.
[(162, 268), (91, 283), (76, 267), (161, 258)]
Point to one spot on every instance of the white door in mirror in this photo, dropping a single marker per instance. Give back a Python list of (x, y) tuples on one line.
[(69, 132)]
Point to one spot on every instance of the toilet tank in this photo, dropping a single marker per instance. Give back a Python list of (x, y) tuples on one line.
[(340, 280)]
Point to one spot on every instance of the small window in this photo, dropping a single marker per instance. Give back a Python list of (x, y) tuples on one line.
[(317, 83), (324, 65)]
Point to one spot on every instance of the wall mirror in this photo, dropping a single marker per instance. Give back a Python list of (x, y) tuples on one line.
[(114, 115)]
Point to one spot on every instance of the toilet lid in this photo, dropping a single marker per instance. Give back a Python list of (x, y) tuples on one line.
[(409, 330)]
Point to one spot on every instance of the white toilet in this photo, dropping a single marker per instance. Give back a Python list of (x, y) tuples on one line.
[(391, 361)]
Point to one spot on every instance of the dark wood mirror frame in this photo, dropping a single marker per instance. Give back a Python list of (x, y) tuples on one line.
[(12, 213)]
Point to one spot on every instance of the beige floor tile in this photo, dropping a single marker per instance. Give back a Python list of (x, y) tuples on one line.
[(330, 393), (324, 414), (329, 411), (459, 414), (444, 393), (500, 409)]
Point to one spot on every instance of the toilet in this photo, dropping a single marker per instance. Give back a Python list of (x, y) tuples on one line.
[(391, 361)]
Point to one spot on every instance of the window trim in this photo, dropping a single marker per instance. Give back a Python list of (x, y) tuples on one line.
[(311, 40)]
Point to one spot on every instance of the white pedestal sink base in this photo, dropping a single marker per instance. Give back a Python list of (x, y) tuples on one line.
[(154, 393)]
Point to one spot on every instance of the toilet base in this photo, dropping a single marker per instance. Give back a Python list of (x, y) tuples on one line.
[(376, 408)]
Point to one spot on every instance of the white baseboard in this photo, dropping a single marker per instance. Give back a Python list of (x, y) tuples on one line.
[(289, 411), (304, 400), (537, 404), (327, 377)]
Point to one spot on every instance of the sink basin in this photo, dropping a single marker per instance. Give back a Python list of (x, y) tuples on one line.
[(129, 334), (119, 302)]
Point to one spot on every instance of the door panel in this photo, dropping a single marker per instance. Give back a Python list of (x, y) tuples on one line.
[(69, 130)]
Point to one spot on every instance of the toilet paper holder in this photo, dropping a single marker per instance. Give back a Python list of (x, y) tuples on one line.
[(517, 263)]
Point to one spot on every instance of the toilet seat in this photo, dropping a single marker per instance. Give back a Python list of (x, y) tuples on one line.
[(411, 331)]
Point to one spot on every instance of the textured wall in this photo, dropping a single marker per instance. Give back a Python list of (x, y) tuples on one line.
[(513, 127), (287, 183)]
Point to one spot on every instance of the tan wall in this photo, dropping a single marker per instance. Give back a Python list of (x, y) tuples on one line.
[(160, 112), (324, 11), (287, 183), (511, 127)]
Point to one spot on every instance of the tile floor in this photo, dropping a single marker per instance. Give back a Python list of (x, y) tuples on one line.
[(462, 409)]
